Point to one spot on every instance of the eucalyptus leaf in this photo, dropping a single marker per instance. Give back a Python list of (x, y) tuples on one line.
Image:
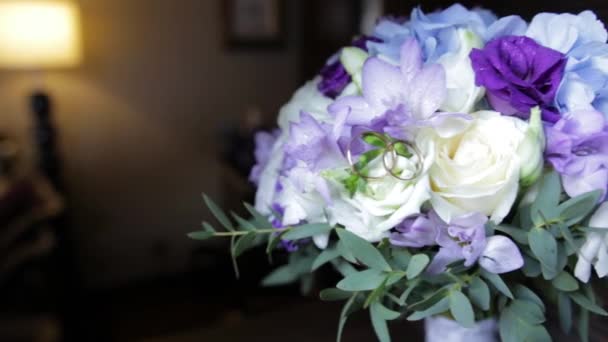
[(324, 257), (479, 293), (524, 293), (577, 208), (306, 231), (587, 304), (273, 241), (281, 276), (417, 264), (547, 200), (362, 281), (346, 253), (363, 250), (544, 246), (461, 309), (531, 267), (529, 312), (259, 220), (440, 307), (565, 282), (218, 213), (430, 300), (332, 294), (348, 308), (379, 324), (497, 282), (244, 243), (385, 313), (406, 293), (564, 306), (243, 224), (583, 325), (208, 227), (519, 235), (201, 235)]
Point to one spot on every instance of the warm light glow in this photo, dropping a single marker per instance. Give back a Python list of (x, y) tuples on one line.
[(39, 34)]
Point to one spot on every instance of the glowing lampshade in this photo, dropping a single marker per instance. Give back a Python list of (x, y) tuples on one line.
[(39, 34)]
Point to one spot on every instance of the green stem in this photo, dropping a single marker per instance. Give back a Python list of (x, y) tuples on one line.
[(245, 232)]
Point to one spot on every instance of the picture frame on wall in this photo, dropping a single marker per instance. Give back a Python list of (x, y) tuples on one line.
[(254, 24)]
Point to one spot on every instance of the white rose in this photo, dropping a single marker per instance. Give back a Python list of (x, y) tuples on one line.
[(594, 251), (478, 169), (462, 93), (385, 202)]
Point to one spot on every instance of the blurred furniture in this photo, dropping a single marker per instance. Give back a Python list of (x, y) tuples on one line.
[(35, 36)]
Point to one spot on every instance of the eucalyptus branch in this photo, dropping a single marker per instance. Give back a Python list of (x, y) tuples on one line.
[(245, 232)]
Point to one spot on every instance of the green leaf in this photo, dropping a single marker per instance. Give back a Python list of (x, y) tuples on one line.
[(539, 333), (243, 244), (543, 245), (281, 276), (565, 282), (362, 281), (545, 204), (524, 293), (405, 295), (346, 253), (417, 264), (400, 258), (346, 311), (218, 213), (440, 307), (430, 300), (332, 294), (244, 224), (461, 309), (379, 324), (529, 312), (577, 208), (374, 139), (497, 282), (273, 241), (583, 325), (208, 227), (202, 235), (519, 235), (385, 313), (564, 306), (324, 257), (375, 294), (235, 264), (479, 293), (585, 303), (260, 221), (363, 250), (306, 231), (531, 267)]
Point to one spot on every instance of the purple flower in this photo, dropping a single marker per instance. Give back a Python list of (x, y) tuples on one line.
[(464, 238), (279, 211), (334, 77), (519, 74), (415, 231), (264, 141), (577, 147)]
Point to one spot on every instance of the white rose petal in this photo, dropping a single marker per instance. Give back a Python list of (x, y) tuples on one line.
[(478, 170)]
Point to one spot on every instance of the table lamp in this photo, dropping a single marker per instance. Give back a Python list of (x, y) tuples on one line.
[(37, 35)]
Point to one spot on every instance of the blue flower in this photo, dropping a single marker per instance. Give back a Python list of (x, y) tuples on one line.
[(436, 31)]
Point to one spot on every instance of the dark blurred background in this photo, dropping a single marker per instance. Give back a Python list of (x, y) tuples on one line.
[(96, 197)]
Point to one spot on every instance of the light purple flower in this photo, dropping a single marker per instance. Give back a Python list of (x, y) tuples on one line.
[(415, 231), (396, 98), (464, 238), (264, 141), (577, 147), (519, 74)]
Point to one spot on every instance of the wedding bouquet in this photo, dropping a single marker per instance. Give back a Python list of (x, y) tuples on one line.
[(453, 167)]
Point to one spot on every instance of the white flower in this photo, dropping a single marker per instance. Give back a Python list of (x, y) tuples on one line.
[(384, 202), (462, 93), (308, 99), (594, 251), (478, 170)]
